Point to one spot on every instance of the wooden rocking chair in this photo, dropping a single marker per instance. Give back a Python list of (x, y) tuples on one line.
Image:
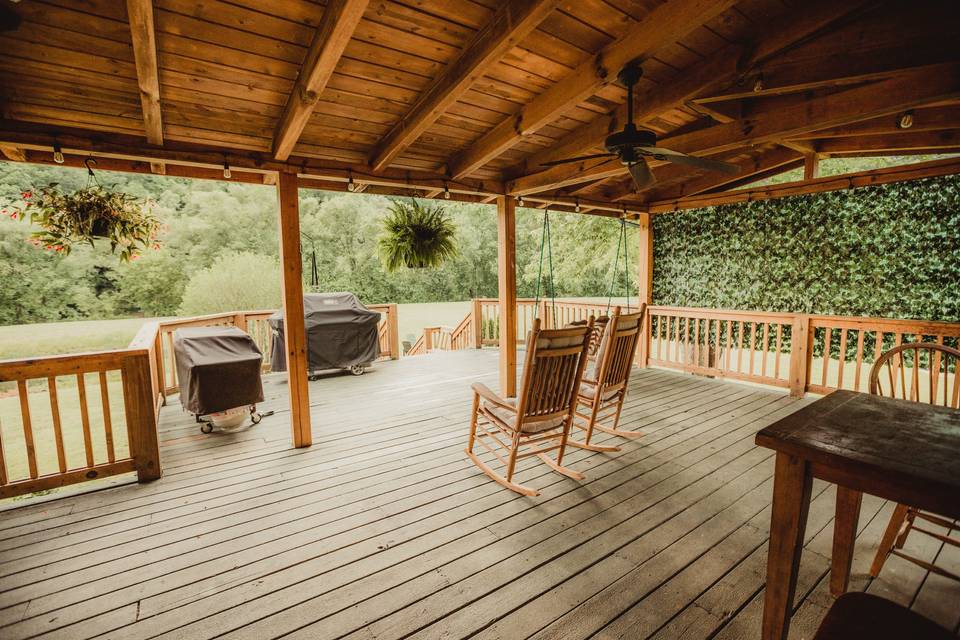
[(539, 420), (934, 387), (602, 391)]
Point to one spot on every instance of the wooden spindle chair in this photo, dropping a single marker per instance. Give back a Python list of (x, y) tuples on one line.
[(938, 385), (604, 388), (539, 420)]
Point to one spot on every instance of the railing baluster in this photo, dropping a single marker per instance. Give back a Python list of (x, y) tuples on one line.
[(85, 419), (57, 427), (827, 343), (859, 365), (843, 357), (779, 346), (107, 422), (753, 342), (27, 427), (740, 346), (729, 344)]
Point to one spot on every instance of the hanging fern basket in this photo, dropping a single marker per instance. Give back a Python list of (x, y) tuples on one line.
[(416, 236)]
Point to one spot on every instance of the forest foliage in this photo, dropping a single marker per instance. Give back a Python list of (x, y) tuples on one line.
[(219, 251)]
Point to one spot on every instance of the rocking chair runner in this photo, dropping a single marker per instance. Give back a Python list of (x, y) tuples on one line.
[(890, 371), (602, 391), (540, 418)]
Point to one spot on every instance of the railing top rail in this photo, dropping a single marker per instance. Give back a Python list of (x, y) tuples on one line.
[(164, 324), (930, 327), (64, 364), (721, 313)]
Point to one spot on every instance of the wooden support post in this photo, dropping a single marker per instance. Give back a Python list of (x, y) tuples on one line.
[(811, 166), (645, 278), (476, 320), (141, 416), (507, 288), (799, 355), (428, 339), (295, 338)]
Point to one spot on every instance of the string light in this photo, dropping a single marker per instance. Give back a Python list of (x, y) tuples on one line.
[(577, 205), (350, 185), (226, 170), (906, 120), (57, 154), (446, 191), (520, 201)]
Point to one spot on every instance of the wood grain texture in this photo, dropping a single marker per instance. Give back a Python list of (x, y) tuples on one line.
[(143, 36)]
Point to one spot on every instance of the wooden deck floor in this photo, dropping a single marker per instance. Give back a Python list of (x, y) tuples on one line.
[(384, 530)]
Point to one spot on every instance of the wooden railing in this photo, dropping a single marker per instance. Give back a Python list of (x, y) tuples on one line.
[(81, 417), (804, 353), (799, 352), (91, 415)]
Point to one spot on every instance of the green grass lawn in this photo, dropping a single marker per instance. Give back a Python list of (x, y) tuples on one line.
[(52, 338)]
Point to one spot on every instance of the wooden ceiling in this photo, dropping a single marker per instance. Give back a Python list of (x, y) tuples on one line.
[(473, 95)]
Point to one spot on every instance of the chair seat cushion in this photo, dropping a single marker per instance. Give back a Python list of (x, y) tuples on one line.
[(857, 615), (588, 390), (509, 418)]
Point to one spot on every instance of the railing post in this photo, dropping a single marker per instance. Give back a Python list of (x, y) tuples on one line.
[(799, 355), (141, 419), (240, 321), (393, 331), (476, 323), (646, 330), (428, 339), (645, 278)]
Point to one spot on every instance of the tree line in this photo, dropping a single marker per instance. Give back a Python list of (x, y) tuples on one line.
[(219, 251)]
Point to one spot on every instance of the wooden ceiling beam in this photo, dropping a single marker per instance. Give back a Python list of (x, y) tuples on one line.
[(340, 18), (892, 143), (928, 119), (921, 86), (885, 175), (662, 27), (719, 69), (144, 37), (127, 147), (512, 22)]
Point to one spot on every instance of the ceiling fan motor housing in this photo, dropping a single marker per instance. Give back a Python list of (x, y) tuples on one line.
[(628, 138)]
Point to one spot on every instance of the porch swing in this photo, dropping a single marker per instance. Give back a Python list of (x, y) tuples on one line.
[(613, 346)]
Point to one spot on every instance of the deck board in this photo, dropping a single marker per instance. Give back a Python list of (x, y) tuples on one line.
[(384, 529)]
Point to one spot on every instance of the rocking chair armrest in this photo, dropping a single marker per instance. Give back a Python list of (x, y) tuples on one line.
[(487, 394)]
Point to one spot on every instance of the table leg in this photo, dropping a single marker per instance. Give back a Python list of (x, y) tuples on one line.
[(844, 535), (791, 502)]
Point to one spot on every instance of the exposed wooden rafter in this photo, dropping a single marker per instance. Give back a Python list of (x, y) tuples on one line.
[(340, 18), (907, 90), (13, 153), (893, 143), (719, 69), (509, 25), (663, 26), (144, 37)]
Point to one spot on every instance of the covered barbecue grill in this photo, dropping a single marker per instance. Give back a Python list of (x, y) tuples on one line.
[(218, 370), (341, 333)]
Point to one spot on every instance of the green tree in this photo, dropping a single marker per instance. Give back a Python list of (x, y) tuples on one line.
[(234, 282), (152, 285)]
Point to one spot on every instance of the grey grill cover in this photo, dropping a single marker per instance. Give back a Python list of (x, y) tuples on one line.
[(341, 332), (218, 368)]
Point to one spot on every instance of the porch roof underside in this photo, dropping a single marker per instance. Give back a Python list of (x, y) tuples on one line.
[(384, 528), (473, 96)]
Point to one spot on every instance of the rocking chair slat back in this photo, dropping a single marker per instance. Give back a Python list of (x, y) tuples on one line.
[(920, 372), (615, 357), (554, 365)]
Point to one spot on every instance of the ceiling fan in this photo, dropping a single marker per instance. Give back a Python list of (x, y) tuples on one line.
[(633, 145)]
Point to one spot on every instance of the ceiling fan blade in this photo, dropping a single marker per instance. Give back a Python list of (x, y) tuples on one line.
[(640, 172), (577, 159), (681, 158)]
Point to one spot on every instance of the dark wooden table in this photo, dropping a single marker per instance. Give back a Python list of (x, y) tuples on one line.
[(903, 451)]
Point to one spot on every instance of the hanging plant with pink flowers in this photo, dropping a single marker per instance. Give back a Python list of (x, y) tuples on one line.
[(87, 215)]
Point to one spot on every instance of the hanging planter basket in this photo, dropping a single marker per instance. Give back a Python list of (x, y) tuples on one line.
[(416, 236), (87, 215)]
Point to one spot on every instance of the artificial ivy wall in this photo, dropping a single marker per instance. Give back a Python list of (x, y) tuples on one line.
[(885, 251)]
